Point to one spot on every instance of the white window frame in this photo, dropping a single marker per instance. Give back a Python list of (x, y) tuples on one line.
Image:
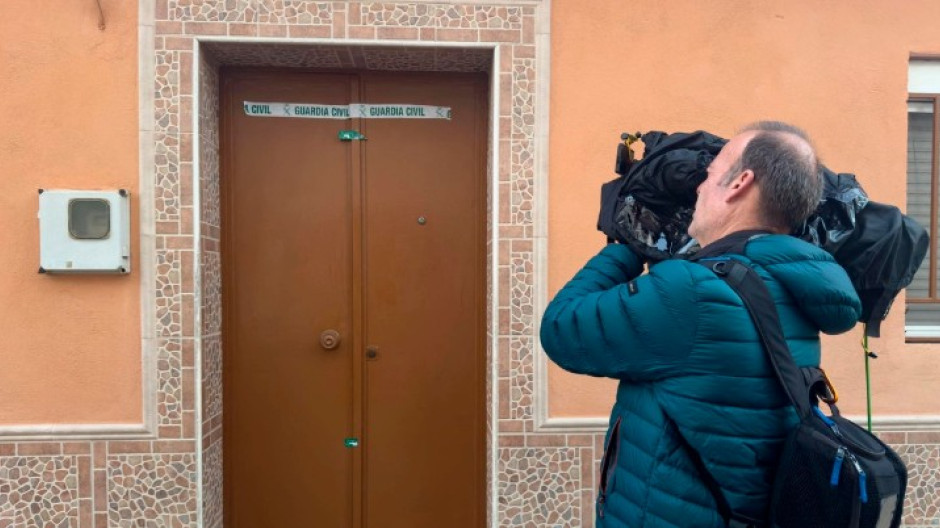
[(924, 82)]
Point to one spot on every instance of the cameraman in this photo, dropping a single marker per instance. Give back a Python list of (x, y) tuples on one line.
[(698, 400)]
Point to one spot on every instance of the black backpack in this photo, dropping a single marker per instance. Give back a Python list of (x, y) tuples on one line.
[(832, 473)]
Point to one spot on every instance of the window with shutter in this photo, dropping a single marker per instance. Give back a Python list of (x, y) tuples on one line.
[(923, 194)]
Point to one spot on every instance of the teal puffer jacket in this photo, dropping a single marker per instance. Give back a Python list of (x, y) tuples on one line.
[(690, 362)]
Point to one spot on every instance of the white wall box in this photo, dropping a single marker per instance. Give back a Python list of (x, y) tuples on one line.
[(84, 231)]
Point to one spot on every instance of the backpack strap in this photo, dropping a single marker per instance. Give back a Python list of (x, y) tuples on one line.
[(724, 509), (763, 311), (731, 519)]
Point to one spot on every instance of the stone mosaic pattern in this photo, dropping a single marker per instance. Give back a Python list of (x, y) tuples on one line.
[(39, 492), (169, 300), (327, 14), (211, 289), (303, 12), (539, 487), (401, 59), (170, 374), (441, 15), (166, 108), (152, 490), (523, 315), (212, 381), (923, 500), (167, 162), (400, 22), (460, 60), (376, 58), (523, 379), (212, 486), (278, 55), (209, 147), (211, 10), (522, 200), (523, 100)]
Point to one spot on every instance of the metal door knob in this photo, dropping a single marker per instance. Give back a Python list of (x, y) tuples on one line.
[(329, 339)]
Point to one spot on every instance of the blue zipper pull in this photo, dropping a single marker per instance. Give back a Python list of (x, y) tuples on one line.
[(822, 416), (862, 488), (837, 467), (828, 421)]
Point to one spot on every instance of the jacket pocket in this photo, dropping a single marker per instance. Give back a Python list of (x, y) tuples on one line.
[(608, 466)]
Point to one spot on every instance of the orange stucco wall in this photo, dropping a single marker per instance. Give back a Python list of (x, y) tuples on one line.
[(838, 69), (70, 351), (70, 348)]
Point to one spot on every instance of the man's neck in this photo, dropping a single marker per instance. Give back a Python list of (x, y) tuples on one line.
[(747, 224)]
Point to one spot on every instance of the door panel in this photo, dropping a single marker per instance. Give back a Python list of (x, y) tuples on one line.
[(322, 234), (424, 285), (288, 277)]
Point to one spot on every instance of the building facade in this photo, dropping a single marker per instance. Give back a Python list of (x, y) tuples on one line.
[(119, 397)]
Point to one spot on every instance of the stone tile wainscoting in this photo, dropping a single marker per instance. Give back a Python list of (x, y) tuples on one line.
[(98, 484), (170, 474)]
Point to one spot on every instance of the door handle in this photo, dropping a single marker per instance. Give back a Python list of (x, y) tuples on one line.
[(329, 339)]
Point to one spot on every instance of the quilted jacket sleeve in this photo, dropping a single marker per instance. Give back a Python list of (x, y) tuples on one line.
[(607, 321)]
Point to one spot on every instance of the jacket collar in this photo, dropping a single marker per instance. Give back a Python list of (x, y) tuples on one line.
[(733, 243)]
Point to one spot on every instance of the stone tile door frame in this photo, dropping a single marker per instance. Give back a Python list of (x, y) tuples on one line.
[(176, 55), (493, 176)]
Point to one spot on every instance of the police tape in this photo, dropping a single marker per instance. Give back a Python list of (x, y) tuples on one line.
[(352, 111)]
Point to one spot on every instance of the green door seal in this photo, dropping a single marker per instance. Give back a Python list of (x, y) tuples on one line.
[(350, 135)]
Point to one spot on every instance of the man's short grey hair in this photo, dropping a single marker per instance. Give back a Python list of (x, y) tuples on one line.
[(786, 170)]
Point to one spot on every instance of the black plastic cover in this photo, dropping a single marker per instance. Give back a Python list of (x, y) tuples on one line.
[(650, 208)]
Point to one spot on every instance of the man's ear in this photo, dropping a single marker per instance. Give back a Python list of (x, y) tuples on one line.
[(740, 185)]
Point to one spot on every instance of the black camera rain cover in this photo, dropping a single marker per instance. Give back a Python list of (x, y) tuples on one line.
[(881, 255), (650, 208)]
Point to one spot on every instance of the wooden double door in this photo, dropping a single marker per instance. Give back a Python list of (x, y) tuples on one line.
[(354, 304)]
